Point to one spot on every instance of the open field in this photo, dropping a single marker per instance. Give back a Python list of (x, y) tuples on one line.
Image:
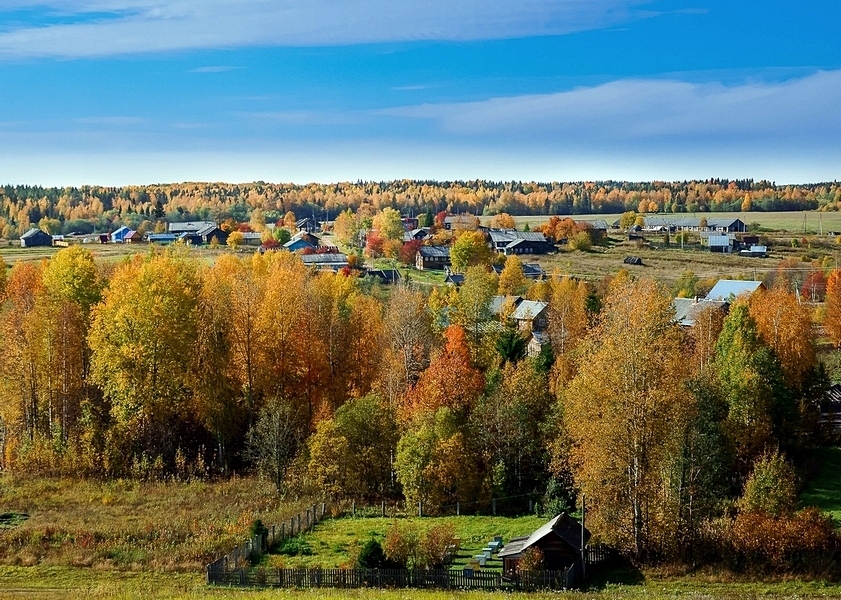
[(336, 542), (130, 524), (789, 221)]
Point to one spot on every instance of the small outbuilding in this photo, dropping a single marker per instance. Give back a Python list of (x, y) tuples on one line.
[(561, 541)]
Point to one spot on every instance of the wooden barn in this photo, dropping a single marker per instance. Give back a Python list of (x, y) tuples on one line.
[(35, 237), (560, 541)]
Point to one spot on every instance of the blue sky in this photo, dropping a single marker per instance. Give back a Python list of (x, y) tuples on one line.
[(146, 91)]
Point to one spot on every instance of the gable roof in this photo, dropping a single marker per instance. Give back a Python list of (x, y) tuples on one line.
[(563, 526), (501, 236), (528, 310), (190, 226), (32, 233), (725, 289), (497, 302), (687, 309), (430, 251), (323, 259)]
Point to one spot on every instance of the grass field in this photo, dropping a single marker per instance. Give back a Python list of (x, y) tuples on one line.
[(130, 524), (336, 542), (790, 221), (68, 582), (824, 488)]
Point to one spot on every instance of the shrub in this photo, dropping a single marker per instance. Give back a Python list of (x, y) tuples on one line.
[(581, 241), (771, 487), (295, 546), (804, 542), (371, 556), (436, 544), (402, 545)]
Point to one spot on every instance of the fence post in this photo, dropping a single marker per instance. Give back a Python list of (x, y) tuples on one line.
[(291, 526), (314, 514), (308, 519), (353, 508), (531, 506), (493, 505), (299, 523), (383, 507), (420, 508), (458, 509), (323, 507)]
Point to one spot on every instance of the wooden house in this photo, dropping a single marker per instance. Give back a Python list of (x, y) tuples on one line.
[(432, 257), (561, 541), (35, 237), (531, 315)]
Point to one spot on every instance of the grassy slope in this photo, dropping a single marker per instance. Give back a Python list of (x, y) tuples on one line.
[(824, 489), (336, 542), (127, 524)]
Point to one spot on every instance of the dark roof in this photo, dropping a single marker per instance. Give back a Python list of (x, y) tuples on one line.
[(500, 236), (386, 275), (563, 526), (32, 233), (430, 251), (322, 259), (454, 278)]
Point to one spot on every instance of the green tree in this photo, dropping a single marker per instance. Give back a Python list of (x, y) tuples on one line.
[(389, 225), (771, 487), (473, 306), (469, 250)]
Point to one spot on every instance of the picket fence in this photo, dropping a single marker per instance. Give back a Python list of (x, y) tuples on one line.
[(394, 578)]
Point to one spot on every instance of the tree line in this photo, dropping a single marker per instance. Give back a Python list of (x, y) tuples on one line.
[(95, 208), (686, 443)]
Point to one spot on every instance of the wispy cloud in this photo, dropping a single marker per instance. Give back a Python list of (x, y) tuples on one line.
[(115, 121), (215, 69), (633, 111), (138, 26)]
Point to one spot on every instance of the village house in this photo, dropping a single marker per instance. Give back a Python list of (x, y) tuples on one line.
[(676, 223), (331, 261), (35, 237), (511, 241), (432, 257), (729, 289)]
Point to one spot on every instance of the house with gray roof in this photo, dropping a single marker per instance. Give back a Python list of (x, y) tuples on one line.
[(511, 241), (35, 237), (729, 289), (432, 257), (561, 541)]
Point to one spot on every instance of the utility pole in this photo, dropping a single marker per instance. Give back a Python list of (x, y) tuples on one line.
[(583, 550)]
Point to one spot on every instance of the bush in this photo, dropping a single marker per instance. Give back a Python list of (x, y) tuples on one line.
[(436, 544), (402, 545), (581, 241), (803, 543), (295, 546), (771, 487), (371, 556)]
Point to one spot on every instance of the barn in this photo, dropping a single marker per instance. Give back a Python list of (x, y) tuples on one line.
[(35, 237)]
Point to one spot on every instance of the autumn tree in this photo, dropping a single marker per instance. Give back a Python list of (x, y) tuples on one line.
[(470, 249), (272, 441), (785, 324), (473, 303), (449, 381), (408, 333), (503, 221), (626, 412), (388, 224), (512, 281), (351, 453), (832, 319), (752, 385), (346, 228), (568, 322), (141, 337)]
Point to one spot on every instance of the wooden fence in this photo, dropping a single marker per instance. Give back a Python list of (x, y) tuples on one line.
[(394, 578), (241, 557)]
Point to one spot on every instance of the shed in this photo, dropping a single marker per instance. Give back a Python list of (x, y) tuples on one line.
[(35, 237), (633, 260), (561, 541)]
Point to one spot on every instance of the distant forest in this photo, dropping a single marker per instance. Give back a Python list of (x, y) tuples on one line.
[(95, 208)]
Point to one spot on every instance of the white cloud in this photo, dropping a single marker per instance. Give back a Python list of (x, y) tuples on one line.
[(137, 26), (631, 111), (214, 69)]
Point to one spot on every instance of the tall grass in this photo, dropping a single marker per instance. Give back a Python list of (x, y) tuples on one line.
[(130, 524)]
